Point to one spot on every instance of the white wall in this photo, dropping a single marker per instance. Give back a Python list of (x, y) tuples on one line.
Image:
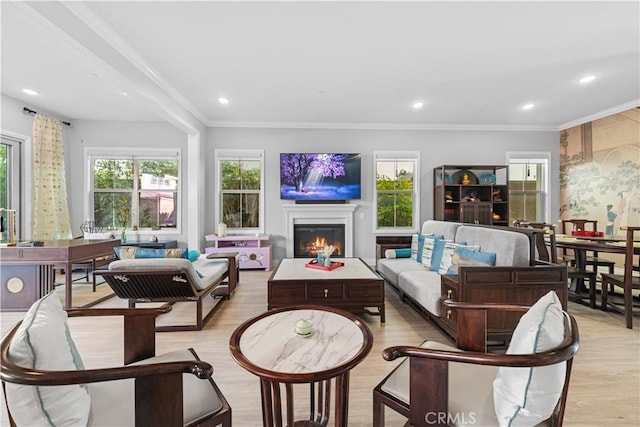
[(121, 134), (436, 147)]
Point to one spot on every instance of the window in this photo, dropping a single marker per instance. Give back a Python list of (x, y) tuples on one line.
[(396, 200), (528, 186), (10, 183), (135, 190), (240, 192)]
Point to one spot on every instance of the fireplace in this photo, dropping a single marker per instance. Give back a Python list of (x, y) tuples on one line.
[(309, 239), (324, 215)]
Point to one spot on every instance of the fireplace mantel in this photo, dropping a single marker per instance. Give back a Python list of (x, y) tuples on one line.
[(321, 214)]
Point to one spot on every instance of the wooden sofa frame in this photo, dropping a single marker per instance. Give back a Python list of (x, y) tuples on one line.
[(171, 286), (500, 285)]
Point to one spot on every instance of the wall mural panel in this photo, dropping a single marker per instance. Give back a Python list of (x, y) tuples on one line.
[(600, 171)]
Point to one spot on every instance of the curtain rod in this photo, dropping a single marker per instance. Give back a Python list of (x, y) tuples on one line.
[(28, 111)]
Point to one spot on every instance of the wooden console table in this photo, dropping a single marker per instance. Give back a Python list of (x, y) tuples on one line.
[(253, 253), (27, 272)]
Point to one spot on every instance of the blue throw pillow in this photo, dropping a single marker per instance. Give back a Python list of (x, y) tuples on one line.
[(398, 253), (193, 255), (131, 252), (464, 256), (436, 256), (427, 249)]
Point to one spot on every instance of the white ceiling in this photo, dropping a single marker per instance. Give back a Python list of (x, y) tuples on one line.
[(325, 64)]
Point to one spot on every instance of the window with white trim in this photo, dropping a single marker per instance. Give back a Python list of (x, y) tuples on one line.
[(529, 186), (134, 189), (240, 190), (10, 182), (397, 191)]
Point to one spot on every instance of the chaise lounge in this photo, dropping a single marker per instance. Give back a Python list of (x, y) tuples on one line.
[(174, 280)]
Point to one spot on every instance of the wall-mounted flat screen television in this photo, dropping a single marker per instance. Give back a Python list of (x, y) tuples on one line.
[(320, 176)]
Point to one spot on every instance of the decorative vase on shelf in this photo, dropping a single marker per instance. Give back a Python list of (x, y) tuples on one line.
[(123, 236)]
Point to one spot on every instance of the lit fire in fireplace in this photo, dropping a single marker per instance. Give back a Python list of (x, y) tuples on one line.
[(316, 245)]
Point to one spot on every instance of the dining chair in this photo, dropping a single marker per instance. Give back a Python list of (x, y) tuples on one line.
[(569, 225), (627, 281)]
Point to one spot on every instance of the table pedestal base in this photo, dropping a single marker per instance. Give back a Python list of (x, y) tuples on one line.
[(319, 403)]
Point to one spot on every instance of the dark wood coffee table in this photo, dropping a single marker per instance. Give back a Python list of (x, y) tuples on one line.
[(354, 287)]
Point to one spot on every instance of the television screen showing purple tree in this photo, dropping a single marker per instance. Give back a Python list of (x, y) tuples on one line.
[(319, 176)]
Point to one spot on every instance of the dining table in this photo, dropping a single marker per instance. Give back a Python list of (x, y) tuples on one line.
[(581, 245)]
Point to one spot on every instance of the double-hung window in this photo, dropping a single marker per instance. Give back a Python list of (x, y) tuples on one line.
[(528, 186), (10, 182), (397, 182), (240, 190), (134, 189)]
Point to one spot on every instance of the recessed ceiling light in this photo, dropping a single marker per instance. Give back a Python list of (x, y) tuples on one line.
[(124, 93), (418, 105), (30, 91), (222, 100), (528, 106), (587, 79)]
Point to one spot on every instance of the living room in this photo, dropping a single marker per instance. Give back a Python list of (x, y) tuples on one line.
[(152, 117)]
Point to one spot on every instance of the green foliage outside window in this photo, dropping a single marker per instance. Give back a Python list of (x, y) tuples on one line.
[(4, 180), (395, 197), (240, 183), (116, 181)]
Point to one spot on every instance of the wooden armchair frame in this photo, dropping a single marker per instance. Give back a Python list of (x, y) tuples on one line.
[(172, 286), (430, 393), (156, 385)]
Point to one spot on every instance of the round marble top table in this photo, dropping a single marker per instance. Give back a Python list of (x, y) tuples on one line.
[(268, 346)]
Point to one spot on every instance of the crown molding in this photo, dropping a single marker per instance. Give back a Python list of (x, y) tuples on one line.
[(380, 126), (602, 114)]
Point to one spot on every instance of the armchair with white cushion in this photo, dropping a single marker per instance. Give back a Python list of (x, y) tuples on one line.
[(441, 385), (46, 383)]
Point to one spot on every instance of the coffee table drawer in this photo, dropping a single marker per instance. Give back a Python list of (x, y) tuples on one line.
[(324, 290), (286, 291), (372, 291)]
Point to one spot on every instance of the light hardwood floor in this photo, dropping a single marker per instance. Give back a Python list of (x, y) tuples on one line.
[(605, 384)]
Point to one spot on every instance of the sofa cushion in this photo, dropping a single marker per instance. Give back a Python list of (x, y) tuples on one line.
[(423, 286), (447, 255), (390, 268), (465, 256), (43, 342), (398, 253), (427, 250), (211, 269), (527, 396), (470, 394), (113, 401), (417, 242), (511, 248), (132, 252), (444, 228)]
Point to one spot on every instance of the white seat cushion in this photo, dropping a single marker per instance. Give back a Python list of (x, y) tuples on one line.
[(470, 390), (112, 402), (422, 286)]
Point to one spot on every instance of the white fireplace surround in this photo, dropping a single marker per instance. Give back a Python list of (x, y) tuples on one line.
[(321, 214)]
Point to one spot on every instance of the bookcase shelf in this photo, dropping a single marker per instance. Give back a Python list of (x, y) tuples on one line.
[(476, 194)]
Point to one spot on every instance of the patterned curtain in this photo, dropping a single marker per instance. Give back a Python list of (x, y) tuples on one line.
[(50, 210)]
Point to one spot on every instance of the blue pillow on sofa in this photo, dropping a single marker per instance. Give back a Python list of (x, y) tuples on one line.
[(398, 253), (131, 252), (464, 256)]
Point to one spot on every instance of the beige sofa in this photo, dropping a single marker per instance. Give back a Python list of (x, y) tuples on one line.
[(516, 277)]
